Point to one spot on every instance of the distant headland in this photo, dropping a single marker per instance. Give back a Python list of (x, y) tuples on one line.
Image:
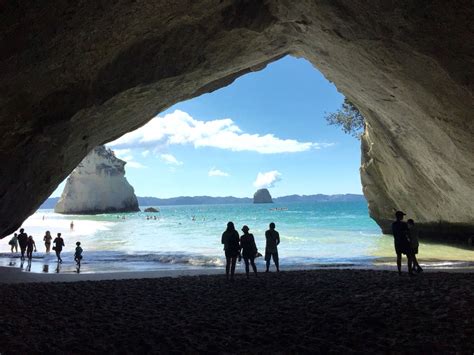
[(209, 200)]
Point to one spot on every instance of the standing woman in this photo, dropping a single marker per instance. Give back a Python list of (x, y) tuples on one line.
[(58, 247), (47, 241), (30, 245), (230, 239), (249, 250)]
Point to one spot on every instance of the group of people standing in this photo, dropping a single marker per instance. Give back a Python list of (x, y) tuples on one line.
[(244, 247), (28, 245), (405, 236)]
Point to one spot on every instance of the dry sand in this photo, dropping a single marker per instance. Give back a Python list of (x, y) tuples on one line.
[(300, 311)]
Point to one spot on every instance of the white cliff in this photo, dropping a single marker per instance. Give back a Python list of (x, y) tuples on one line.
[(98, 185)]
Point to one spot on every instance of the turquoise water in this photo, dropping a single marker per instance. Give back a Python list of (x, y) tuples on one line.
[(188, 237)]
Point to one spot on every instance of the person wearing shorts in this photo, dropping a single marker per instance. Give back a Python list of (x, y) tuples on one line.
[(271, 248)]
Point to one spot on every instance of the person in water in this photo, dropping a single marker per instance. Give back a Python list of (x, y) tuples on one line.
[(271, 248), (22, 240), (414, 244), (249, 250), (78, 254), (14, 243), (47, 241), (230, 239), (30, 245), (59, 244), (402, 244), (71, 226)]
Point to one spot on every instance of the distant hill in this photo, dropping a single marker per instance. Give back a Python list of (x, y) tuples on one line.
[(320, 198), (50, 203), (209, 200), (191, 200)]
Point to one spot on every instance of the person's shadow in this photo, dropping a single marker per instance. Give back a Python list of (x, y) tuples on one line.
[(28, 266)]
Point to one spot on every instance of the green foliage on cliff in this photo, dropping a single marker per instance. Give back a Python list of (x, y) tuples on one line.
[(348, 118)]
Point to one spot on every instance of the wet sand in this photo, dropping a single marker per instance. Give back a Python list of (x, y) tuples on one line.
[(299, 311)]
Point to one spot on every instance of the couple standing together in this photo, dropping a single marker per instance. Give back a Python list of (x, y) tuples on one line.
[(233, 245), (405, 236)]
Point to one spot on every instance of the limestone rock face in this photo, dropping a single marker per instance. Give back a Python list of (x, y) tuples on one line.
[(75, 75), (98, 185), (262, 196)]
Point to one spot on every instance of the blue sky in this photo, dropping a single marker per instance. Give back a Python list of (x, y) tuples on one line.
[(267, 129)]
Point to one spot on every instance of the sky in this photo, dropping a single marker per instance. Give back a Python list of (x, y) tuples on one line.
[(265, 130)]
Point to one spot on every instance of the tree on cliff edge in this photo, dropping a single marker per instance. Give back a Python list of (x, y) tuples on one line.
[(348, 118)]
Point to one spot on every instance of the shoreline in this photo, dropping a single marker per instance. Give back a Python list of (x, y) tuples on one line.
[(11, 275)]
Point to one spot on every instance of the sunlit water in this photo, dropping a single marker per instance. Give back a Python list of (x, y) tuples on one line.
[(188, 237)]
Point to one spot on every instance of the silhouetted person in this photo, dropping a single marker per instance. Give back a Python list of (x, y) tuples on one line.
[(71, 226), (249, 250), (414, 244), (402, 245), (271, 247), (58, 247), (30, 245), (47, 241), (230, 239), (78, 253), (14, 243), (22, 239)]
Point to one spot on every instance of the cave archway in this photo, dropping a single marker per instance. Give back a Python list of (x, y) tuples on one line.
[(76, 76)]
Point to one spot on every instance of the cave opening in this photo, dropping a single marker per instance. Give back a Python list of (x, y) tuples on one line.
[(265, 130)]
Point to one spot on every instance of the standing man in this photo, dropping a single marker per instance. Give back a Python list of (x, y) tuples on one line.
[(271, 250), (59, 243), (402, 245), (22, 240)]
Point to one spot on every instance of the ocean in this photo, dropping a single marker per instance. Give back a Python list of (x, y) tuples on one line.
[(313, 235)]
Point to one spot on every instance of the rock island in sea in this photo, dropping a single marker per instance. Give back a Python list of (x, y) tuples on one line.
[(98, 185), (262, 196)]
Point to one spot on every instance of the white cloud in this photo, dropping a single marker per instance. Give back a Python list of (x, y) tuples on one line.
[(217, 172), (267, 180), (135, 164), (170, 159), (126, 155), (145, 153), (180, 128)]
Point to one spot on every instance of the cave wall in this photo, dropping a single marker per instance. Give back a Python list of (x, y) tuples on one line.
[(75, 75)]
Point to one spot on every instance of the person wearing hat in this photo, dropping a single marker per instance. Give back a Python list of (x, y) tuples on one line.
[(249, 250), (230, 239), (402, 244)]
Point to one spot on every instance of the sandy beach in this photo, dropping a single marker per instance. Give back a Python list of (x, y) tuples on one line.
[(296, 311)]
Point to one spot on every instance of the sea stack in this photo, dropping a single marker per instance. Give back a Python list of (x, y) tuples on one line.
[(262, 196), (98, 185)]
